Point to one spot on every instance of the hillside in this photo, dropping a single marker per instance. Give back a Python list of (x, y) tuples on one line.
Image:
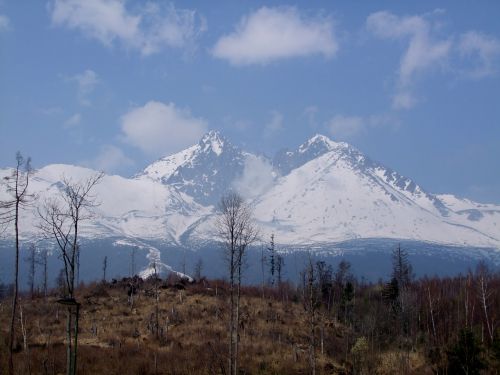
[(356, 328)]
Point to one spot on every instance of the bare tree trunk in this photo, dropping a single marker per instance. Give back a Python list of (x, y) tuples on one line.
[(237, 331), (69, 352), (231, 314), (262, 262), (104, 267), (75, 350), (312, 343), (25, 339), (432, 314), (31, 259), (14, 298), (484, 296), (45, 275)]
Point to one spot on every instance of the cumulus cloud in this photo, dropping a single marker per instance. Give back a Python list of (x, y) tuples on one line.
[(258, 176), (485, 47), (73, 121), (110, 159), (270, 34), (159, 128), (424, 50), (148, 29), (4, 23), (274, 126)]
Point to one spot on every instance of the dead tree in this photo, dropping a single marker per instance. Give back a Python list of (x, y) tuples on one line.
[(157, 300), (17, 188), (310, 293), (60, 220), (280, 263), (262, 264), (104, 267), (42, 260), (485, 293), (32, 261), (237, 231), (272, 260), (132, 261), (198, 268)]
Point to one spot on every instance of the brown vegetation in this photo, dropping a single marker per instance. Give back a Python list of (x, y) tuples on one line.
[(357, 329)]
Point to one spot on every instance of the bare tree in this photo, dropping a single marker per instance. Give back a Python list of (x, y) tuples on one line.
[(31, 259), (42, 260), (272, 260), (485, 293), (237, 231), (17, 187), (311, 305), (77, 270), (198, 268), (280, 263), (132, 261), (60, 220), (104, 268), (262, 268)]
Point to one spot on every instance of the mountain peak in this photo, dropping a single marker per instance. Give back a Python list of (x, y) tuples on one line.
[(213, 141), (318, 142)]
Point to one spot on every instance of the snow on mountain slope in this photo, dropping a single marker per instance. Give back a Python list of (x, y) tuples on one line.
[(319, 145), (163, 168), (205, 171), (485, 217), (126, 207), (323, 192), (341, 194)]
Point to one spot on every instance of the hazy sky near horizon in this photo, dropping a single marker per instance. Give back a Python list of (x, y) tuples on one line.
[(116, 84)]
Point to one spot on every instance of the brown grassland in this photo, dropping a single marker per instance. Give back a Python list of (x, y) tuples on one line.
[(189, 335)]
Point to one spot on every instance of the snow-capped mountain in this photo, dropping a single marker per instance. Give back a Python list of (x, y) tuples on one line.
[(204, 171), (323, 192), (333, 192)]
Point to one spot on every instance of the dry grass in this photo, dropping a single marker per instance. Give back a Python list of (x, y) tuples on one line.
[(117, 338)]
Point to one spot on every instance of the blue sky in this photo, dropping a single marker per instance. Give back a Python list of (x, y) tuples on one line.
[(115, 84)]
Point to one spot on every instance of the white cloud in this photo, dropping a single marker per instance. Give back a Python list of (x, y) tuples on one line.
[(110, 159), (403, 100), (149, 29), (158, 128), (345, 126), (258, 176), (274, 126), (73, 121), (86, 82), (423, 51), (271, 34), (4, 23), (484, 47), (383, 120)]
